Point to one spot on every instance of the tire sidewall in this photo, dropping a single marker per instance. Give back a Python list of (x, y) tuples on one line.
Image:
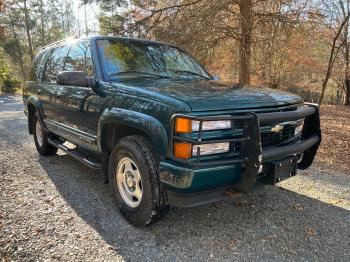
[(143, 212), (41, 149)]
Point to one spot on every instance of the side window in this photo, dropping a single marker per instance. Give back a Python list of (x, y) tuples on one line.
[(79, 59), (38, 66), (54, 63)]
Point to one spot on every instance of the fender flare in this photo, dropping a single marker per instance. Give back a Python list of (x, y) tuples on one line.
[(142, 122), (32, 100)]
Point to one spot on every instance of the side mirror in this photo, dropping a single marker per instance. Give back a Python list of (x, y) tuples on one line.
[(217, 78), (75, 78)]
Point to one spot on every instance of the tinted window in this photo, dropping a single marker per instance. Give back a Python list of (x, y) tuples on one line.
[(79, 59), (38, 66), (54, 63)]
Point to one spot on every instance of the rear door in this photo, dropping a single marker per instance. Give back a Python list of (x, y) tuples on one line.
[(47, 88)]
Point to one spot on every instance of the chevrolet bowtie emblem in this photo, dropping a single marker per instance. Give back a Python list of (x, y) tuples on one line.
[(277, 128)]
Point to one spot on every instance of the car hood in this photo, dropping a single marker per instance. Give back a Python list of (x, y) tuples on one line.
[(204, 95)]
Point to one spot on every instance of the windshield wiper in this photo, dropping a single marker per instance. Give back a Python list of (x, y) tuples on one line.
[(136, 72), (190, 72)]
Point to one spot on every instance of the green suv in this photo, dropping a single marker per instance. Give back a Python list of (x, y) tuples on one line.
[(161, 129)]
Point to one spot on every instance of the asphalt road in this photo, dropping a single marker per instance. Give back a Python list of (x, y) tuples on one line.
[(53, 208)]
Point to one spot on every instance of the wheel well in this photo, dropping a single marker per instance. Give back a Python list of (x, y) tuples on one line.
[(31, 113), (111, 134)]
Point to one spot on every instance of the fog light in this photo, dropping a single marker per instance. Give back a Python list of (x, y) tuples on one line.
[(210, 149)]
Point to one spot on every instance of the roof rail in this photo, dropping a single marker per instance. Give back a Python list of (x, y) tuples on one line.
[(61, 41)]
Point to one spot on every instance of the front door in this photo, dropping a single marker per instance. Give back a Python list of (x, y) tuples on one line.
[(79, 105)]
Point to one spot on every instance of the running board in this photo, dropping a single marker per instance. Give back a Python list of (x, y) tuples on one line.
[(76, 155)]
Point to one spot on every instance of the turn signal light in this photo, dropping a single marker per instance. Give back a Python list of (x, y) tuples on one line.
[(182, 150), (183, 125)]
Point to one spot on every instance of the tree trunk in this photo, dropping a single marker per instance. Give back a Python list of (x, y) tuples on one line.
[(27, 25), (42, 28), (347, 54), (20, 54), (67, 17), (245, 41), (347, 68), (324, 85), (347, 92), (333, 55)]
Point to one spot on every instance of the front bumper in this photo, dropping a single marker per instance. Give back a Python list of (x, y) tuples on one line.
[(184, 177)]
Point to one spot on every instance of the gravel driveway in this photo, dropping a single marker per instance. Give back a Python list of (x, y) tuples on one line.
[(53, 208)]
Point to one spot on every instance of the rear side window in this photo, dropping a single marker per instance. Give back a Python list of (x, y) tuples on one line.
[(38, 66), (54, 63), (79, 59)]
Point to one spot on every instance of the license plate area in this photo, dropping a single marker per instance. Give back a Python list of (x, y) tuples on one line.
[(277, 171)]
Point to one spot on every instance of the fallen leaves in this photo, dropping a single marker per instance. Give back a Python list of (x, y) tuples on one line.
[(232, 194), (311, 231), (110, 247), (232, 244), (37, 231), (5, 258), (299, 207), (335, 146), (306, 173), (335, 201)]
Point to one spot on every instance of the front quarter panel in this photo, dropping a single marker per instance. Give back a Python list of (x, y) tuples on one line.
[(145, 123)]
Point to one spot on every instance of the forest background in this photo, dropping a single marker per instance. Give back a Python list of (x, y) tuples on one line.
[(301, 46)]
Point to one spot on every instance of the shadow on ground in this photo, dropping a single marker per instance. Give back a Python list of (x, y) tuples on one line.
[(272, 223)]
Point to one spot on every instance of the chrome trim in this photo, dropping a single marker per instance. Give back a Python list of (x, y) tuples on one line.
[(76, 132)]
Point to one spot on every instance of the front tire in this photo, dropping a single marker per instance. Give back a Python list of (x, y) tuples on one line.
[(134, 180), (41, 138)]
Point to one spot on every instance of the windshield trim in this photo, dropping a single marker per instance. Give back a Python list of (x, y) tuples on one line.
[(108, 78)]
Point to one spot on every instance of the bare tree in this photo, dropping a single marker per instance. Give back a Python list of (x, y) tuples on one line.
[(345, 7), (340, 40), (205, 24)]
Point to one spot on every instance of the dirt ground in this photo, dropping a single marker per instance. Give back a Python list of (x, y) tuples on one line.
[(55, 209), (334, 152)]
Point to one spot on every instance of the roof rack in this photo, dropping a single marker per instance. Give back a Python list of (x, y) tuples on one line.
[(61, 41)]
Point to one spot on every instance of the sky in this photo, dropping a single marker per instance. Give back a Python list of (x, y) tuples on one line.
[(91, 14)]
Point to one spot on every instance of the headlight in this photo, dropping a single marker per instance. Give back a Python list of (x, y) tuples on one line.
[(184, 125), (186, 150), (299, 128), (211, 125), (210, 149)]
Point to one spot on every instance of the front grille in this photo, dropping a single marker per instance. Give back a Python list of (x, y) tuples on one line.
[(243, 134), (270, 138)]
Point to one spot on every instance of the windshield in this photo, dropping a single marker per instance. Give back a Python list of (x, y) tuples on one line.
[(128, 58)]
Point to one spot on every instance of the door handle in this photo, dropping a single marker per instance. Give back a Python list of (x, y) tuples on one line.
[(39, 91)]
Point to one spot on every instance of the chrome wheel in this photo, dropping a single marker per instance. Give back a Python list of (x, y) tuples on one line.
[(39, 133), (129, 182)]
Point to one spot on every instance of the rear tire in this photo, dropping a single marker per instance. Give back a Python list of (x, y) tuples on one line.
[(134, 181), (40, 139)]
